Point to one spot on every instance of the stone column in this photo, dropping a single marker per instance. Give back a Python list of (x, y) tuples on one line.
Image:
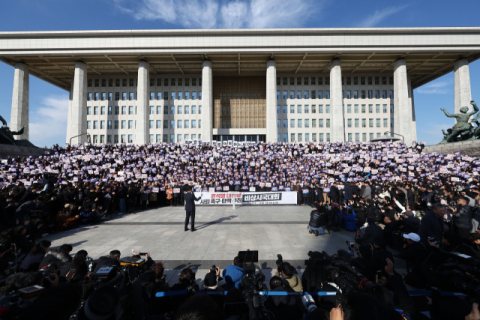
[(78, 119), (142, 130), (337, 121), (207, 101), (411, 102), (271, 103), (402, 116), (463, 93), (70, 113), (19, 111)]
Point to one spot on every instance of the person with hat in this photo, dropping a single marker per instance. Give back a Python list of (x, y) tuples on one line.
[(413, 251)]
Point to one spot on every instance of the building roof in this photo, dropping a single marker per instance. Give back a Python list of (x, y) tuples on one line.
[(429, 52)]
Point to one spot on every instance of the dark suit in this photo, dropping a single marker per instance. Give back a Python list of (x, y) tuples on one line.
[(190, 199)]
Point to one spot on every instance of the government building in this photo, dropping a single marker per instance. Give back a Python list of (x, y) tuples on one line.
[(291, 85)]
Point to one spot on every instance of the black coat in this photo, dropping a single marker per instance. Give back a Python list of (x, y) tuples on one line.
[(334, 194), (431, 226), (316, 219), (371, 233), (283, 307), (190, 201)]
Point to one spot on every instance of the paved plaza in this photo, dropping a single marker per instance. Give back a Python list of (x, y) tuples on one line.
[(222, 232)]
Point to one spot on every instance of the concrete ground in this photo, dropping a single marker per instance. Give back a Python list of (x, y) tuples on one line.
[(221, 233)]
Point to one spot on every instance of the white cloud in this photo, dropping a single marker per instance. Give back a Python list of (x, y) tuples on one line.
[(230, 14), (48, 123), (431, 133), (435, 88), (378, 16)]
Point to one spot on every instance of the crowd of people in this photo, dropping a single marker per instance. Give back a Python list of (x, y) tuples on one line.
[(422, 207)]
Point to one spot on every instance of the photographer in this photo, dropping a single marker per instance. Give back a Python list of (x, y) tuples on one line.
[(77, 269), (463, 217), (432, 225), (233, 274), (413, 251), (349, 217), (59, 256), (35, 256), (186, 281), (364, 262), (317, 219), (371, 233), (283, 307), (289, 273)]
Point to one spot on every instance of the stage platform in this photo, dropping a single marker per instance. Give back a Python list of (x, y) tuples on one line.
[(221, 233)]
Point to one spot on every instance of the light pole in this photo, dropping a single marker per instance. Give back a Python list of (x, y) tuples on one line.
[(403, 138)]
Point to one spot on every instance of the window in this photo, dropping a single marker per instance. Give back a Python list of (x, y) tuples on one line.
[(377, 80), (305, 94), (172, 124), (314, 108), (370, 123), (307, 123), (179, 124), (89, 111), (159, 110), (320, 108), (102, 124), (278, 123), (194, 136), (278, 81), (327, 123), (89, 124), (292, 94), (327, 81), (152, 95), (370, 108), (364, 123), (356, 123), (130, 110), (89, 96), (186, 124), (307, 137), (384, 80), (285, 123), (102, 110), (284, 81), (362, 94), (130, 138), (292, 109), (180, 94), (89, 82), (349, 108), (159, 124), (355, 94), (355, 81), (391, 122), (116, 124), (172, 81), (194, 109), (355, 108), (278, 95), (292, 81), (306, 108), (124, 124), (152, 110), (378, 123), (299, 109), (378, 134), (320, 123), (313, 94), (370, 94), (385, 123), (384, 94), (314, 123), (285, 109), (292, 137), (150, 125), (179, 138), (180, 82), (158, 138), (109, 138), (320, 81), (349, 123), (124, 96), (292, 123), (199, 110), (279, 109), (194, 124), (165, 124), (284, 95), (312, 80), (200, 97), (179, 110), (357, 137), (377, 108), (172, 95), (131, 96), (130, 124), (199, 125), (123, 137), (391, 108), (172, 109), (377, 94), (110, 96), (172, 138), (132, 82), (327, 108), (390, 80), (349, 94), (300, 137), (349, 137), (327, 94), (320, 94), (391, 94), (363, 108), (187, 110), (109, 124), (321, 137), (117, 96), (371, 136), (194, 95), (362, 81), (384, 108), (299, 94), (364, 137), (194, 82), (124, 110)]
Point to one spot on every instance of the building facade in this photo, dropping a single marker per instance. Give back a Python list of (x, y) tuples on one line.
[(291, 85)]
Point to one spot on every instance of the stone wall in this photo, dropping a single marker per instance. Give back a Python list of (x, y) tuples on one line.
[(471, 148), (18, 151)]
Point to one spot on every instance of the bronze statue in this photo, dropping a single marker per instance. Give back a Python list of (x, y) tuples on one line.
[(463, 130), (6, 136)]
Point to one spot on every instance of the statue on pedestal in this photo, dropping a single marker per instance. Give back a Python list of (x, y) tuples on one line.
[(6, 136), (463, 130)]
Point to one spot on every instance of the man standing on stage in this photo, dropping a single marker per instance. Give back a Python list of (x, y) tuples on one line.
[(190, 207)]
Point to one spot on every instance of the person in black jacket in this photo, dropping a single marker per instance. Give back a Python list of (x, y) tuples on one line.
[(414, 251), (190, 208), (371, 233), (283, 307), (334, 193), (463, 217), (432, 224)]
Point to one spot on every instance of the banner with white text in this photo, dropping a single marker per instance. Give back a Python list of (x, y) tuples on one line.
[(246, 198)]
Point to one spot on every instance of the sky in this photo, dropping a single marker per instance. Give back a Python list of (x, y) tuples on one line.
[(48, 104)]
